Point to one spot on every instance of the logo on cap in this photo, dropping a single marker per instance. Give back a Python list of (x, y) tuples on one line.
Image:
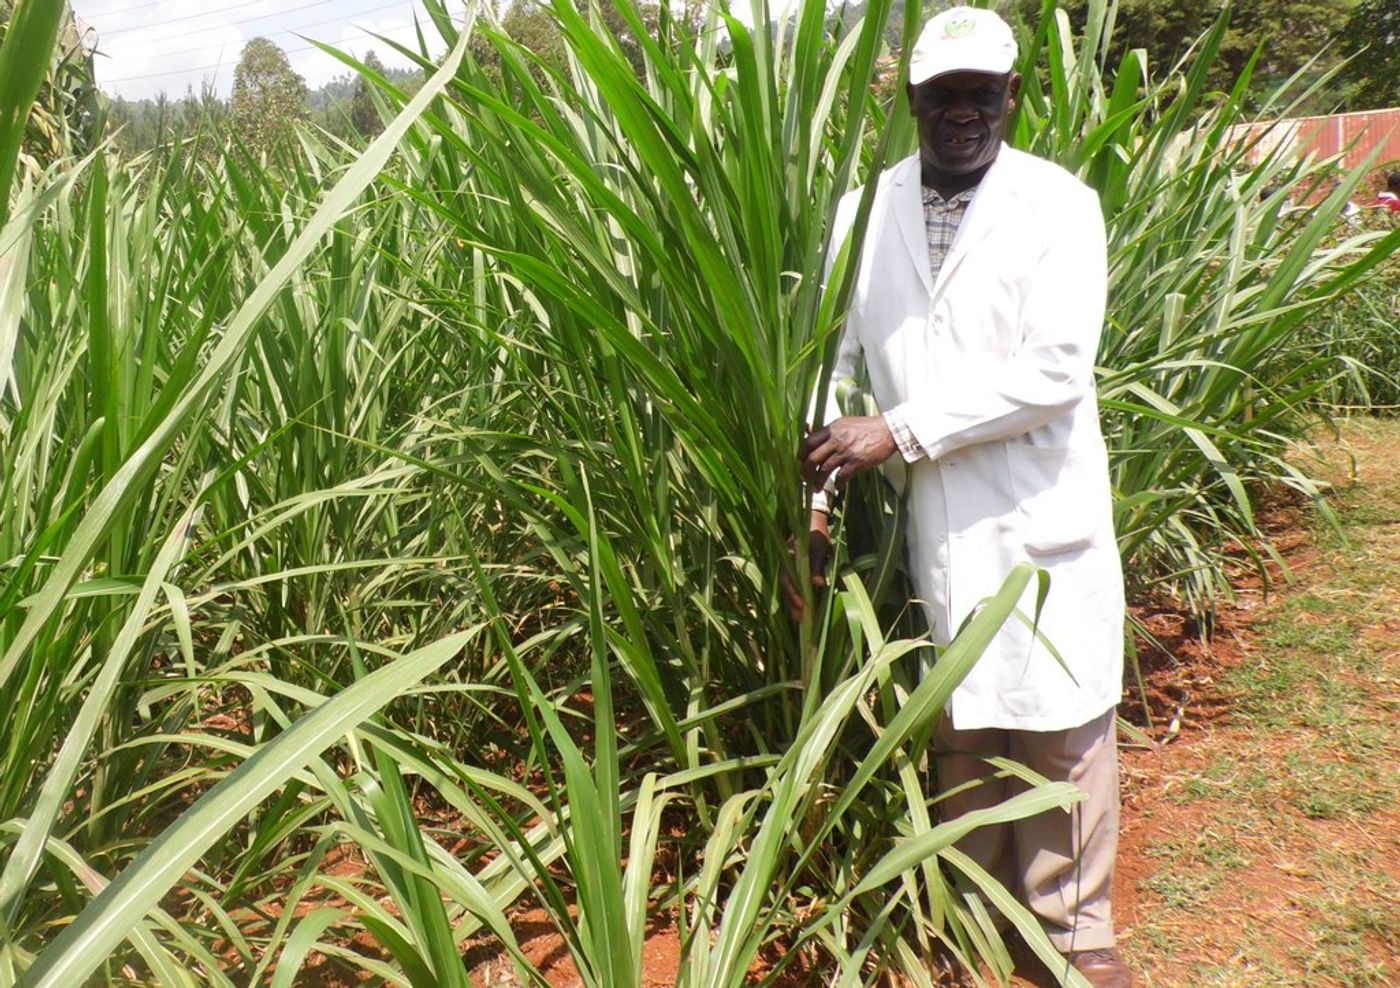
[(959, 27)]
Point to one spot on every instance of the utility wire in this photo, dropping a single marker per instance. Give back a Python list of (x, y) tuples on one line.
[(210, 13), (215, 65), (287, 30), (127, 10), (157, 3), (201, 68), (191, 17)]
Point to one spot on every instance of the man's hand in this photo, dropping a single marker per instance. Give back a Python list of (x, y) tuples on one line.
[(818, 549), (849, 445)]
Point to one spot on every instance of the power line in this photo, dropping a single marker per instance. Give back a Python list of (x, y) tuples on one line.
[(157, 3), (201, 68), (210, 13), (289, 30), (191, 17), (215, 65), (127, 10)]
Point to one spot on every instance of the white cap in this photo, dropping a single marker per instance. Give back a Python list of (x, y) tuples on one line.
[(963, 39)]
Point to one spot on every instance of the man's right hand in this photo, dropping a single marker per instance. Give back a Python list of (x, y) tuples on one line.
[(843, 448), (818, 553)]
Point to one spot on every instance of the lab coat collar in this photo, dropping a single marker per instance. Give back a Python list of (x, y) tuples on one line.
[(907, 203)]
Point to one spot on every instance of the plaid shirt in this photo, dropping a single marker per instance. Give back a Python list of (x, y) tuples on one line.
[(942, 217)]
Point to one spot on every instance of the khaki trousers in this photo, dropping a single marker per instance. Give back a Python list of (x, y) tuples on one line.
[(1059, 864)]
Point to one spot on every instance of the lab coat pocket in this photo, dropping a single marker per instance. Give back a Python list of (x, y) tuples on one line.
[(1054, 510)]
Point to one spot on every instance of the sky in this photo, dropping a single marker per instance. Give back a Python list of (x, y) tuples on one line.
[(149, 46)]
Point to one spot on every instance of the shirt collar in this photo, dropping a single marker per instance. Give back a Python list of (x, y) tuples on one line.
[(932, 198)]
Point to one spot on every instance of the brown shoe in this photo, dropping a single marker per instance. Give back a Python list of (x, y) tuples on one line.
[(1102, 968)]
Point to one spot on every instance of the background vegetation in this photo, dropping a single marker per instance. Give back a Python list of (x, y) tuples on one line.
[(391, 532), (1351, 45)]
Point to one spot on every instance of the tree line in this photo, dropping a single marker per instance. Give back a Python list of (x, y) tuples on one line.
[(1351, 48), (269, 101)]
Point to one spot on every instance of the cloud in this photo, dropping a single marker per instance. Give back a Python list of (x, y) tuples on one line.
[(169, 45)]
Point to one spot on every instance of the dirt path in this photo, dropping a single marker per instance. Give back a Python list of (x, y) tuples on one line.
[(1261, 844)]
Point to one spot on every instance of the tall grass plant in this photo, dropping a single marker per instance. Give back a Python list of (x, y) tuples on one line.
[(389, 542)]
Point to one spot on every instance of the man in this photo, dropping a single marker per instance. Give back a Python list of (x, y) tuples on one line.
[(977, 314)]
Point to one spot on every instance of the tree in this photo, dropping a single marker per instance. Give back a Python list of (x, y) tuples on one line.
[(364, 115), (1291, 32), (269, 99), (198, 122), (533, 26), (1372, 39)]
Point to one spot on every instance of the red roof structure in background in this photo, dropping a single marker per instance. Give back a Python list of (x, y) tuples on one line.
[(1352, 135)]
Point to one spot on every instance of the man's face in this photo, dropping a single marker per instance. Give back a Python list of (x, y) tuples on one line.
[(962, 118)]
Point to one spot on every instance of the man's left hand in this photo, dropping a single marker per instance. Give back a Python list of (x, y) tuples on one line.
[(849, 445)]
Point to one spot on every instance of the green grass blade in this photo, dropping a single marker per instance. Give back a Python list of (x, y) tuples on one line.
[(146, 458), (80, 948), (24, 860), (25, 56), (910, 853)]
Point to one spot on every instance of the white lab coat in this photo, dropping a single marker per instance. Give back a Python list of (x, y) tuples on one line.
[(992, 369)]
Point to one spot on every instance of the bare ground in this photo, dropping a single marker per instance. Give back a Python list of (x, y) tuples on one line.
[(1261, 842)]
